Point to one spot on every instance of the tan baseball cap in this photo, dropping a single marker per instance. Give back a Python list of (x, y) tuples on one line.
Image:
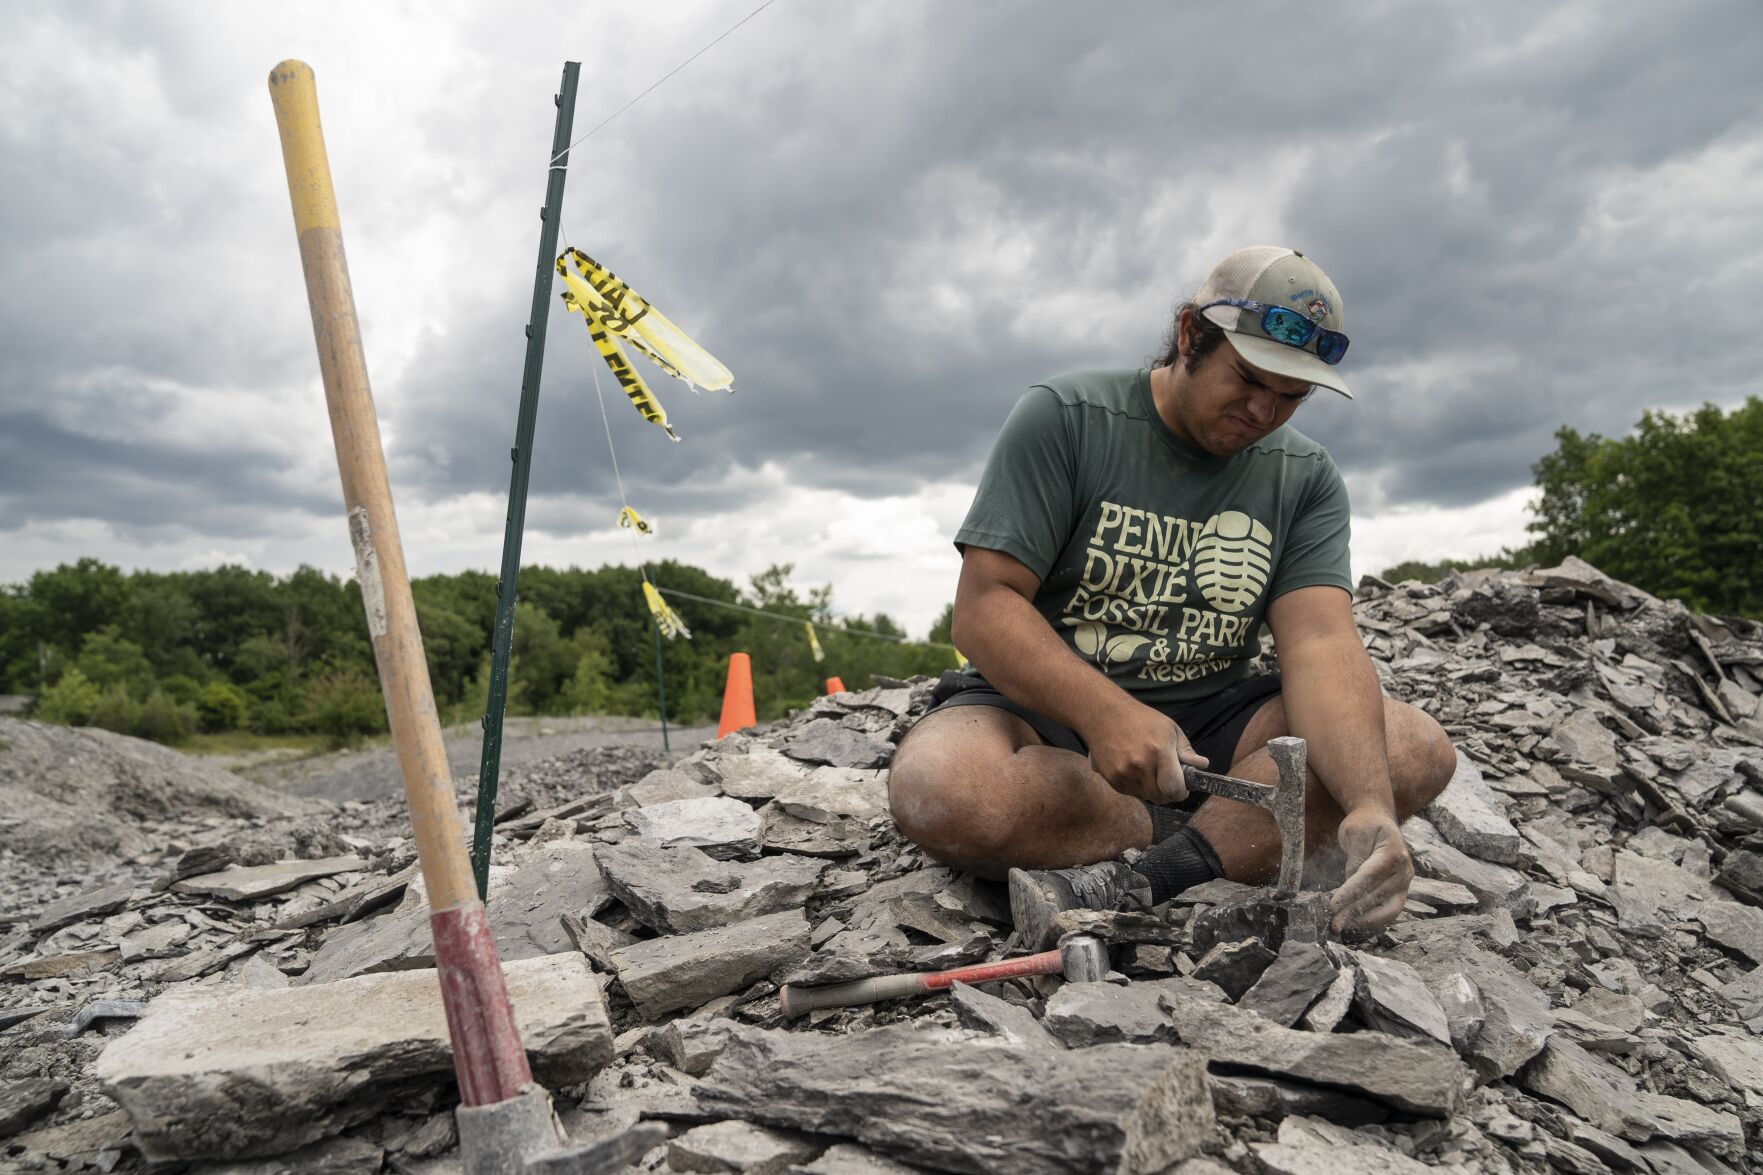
[(1276, 277)]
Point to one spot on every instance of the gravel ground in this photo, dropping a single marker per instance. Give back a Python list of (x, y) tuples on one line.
[(372, 773)]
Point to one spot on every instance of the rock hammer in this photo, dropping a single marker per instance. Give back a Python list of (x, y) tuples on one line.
[(1284, 799)]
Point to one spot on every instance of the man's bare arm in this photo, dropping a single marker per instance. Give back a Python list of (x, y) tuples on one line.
[(1333, 701), (997, 626)]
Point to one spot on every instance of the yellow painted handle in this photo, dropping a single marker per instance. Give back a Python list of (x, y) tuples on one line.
[(294, 93)]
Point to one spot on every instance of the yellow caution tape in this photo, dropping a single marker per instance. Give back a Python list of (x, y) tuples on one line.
[(626, 313), (960, 661), (620, 363), (668, 620), (632, 520), (814, 643)]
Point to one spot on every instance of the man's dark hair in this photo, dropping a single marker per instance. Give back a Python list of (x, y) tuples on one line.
[(1204, 335)]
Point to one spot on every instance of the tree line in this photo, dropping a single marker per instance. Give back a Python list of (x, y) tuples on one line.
[(165, 655), (1674, 508)]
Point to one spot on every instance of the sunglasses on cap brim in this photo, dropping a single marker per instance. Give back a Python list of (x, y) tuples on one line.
[(1282, 324)]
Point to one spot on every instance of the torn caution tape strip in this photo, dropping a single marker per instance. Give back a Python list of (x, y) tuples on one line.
[(631, 520), (617, 314), (814, 642), (620, 363), (666, 618)]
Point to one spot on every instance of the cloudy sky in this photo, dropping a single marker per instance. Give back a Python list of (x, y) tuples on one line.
[(887, 217)]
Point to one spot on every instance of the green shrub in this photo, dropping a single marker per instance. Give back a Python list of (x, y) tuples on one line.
[(345, 705), (71, 701), (164, 720), (222, 706), (183, 689), (116, 710)]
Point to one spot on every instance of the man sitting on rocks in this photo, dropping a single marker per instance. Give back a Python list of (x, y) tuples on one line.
[(1131, 533)]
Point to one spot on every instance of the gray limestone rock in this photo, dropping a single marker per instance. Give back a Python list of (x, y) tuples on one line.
[(721, 826), (78, 908), (737, 1146), (1173, 1122), (784, 833), (1315, 1157), (759, 774), (1738, 928), (1237, 1096), (830, 794), (234, 1071), (1326, 1014), (1606, 1097), (1497, 886), (1085, 1014), (1516, 1019), (23, 1102), (1736, 1060), (943, 1099), (1234, 966), (685, 970), (333, 1156), (245, 883), (1471, 816), (827, 742), (681, 890), (1589, 747), (985, 1012), (1391, 996), (850, 1159), (1291, 983), (158, 941), (1421, 1079), (618, 1152), (692, 1043), (525, 913), (666, 784)]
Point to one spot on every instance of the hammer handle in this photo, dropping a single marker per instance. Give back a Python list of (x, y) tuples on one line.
[(1229, 787), (798, 1000)]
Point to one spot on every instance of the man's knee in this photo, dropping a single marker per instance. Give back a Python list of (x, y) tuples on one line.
[(1422, 759), (937, 790)]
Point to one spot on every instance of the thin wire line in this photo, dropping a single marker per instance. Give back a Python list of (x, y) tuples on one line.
[(664, 77), (880, 636)]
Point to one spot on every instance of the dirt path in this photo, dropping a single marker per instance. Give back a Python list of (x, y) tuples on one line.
[(372, 772)]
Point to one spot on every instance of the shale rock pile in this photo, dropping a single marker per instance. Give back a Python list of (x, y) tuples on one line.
[(1575, 984)]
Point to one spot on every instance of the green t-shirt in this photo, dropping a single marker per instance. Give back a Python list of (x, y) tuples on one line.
[(1157, 559)]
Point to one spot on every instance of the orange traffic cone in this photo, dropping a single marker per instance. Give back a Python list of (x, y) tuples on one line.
[(834, 686), (737, 696)]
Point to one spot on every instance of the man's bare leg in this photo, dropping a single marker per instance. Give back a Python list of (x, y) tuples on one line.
[(976, 788)]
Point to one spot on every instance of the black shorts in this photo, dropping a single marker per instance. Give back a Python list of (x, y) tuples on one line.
[(1213, 725)]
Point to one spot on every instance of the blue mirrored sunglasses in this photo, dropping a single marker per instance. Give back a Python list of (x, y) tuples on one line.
[(1282, 324)]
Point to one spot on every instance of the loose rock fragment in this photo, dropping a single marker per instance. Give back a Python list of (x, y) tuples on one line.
[(683, 971), (736, 1146), (1234, 966), (1392, 996), (1291, 983), (680, 890), (1472, 818), (1426, 1080), (244, 883), (722, 827), (80, 907)]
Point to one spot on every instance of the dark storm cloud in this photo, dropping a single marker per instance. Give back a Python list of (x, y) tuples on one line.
[(890, 219)]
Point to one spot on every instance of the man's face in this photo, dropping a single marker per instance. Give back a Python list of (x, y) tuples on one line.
[(1227, 405)]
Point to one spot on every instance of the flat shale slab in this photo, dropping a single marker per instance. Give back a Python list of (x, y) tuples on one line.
[(229, 1072), (954, 1102)]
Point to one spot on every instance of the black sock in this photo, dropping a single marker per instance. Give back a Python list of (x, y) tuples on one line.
[(1181, 862), (1165, 821)]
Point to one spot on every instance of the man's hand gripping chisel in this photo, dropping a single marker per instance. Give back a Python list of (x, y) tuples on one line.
[(1284, 799)]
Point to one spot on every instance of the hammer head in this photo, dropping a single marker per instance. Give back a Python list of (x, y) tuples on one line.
[(1284, 799)]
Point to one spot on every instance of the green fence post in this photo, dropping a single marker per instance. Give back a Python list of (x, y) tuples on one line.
[(502, 639)]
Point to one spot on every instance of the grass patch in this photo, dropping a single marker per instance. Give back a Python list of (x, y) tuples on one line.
[(244, 742)]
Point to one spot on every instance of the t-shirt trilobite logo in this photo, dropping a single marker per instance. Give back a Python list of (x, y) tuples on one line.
[(1232, 560)]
